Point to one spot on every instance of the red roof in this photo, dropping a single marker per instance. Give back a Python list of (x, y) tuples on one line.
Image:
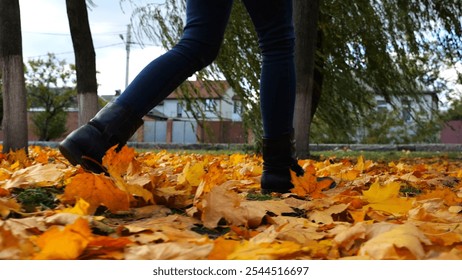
[(200, 89)]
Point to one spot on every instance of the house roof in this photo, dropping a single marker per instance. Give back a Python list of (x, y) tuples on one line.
[(200, 89), (156, 114)]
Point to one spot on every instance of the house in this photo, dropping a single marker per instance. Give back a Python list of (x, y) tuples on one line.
[(398, 118), (214, 117), (217, 101)]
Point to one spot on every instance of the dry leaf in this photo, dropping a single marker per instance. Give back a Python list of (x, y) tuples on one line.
[(64, 244), (400, 242), (308, 184), (386, 198), (97, 190), (169, 251)]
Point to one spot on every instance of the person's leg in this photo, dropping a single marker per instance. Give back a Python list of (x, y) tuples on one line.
[(273, 23), (198, 47), (203, 34)]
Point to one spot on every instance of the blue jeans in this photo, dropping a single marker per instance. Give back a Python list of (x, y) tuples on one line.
[(206, 21)]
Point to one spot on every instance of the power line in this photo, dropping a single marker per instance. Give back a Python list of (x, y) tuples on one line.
[(69, 52), (112, 33)]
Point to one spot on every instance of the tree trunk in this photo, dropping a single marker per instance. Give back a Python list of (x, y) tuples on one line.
[(305, 20), (318, 75), (15, 134), (85, 60)]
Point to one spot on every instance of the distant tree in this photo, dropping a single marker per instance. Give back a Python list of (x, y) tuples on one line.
[(85, 60), (50, 90), (14, 92)]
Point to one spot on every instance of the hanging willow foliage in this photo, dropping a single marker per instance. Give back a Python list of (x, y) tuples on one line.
[(367, 48)]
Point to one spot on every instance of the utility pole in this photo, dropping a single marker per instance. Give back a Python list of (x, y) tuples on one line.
[(127, 48), (128, 42)]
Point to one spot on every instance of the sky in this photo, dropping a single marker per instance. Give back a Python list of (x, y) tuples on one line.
[(45, 29)]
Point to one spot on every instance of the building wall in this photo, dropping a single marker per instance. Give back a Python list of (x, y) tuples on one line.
[(71, 124), (452, 132)]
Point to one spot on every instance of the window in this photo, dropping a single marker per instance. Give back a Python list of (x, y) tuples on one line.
[(407, 110), (237, 107), (210, 105), (179, 110), (382, 106)]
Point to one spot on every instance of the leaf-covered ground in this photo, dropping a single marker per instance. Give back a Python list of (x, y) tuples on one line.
[(194, 206)]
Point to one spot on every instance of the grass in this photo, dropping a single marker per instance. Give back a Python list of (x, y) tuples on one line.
[(322, 155), (386, 155)]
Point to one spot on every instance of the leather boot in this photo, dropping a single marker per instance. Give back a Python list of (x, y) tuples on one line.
[(112, 125), (278, 159)]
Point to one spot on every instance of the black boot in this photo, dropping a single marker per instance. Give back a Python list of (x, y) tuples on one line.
[(278, 159), (87, 145)]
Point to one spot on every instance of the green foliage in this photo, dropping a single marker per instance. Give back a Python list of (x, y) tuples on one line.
[(454, 112), (37, 199), (368, 48), (50, 85)]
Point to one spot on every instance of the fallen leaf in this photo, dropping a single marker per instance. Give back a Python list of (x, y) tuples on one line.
[(386, 198), (400, 242), (13, 247), (7, 206), (222, 248), (325, 216), (38, 175), (169, 251), (222, 203), (309, 183), (64, 244), (97, 190)]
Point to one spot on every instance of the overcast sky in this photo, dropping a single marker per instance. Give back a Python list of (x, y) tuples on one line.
[(46, 30)]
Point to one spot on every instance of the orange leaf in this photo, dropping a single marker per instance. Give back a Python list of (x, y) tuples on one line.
[(96, 189), (308, 184), (222, 248), (66, 244), (222, 202), (118, 162), (449, 197)]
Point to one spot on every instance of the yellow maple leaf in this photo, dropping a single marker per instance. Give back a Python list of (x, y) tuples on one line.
[(192, 174), (80, 208), (96, 189), (386, 198), (64, 244), (248, 250)]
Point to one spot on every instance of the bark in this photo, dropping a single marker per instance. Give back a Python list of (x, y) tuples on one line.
[(305, 21), (85, 59), (318, 75), (14, 124)]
